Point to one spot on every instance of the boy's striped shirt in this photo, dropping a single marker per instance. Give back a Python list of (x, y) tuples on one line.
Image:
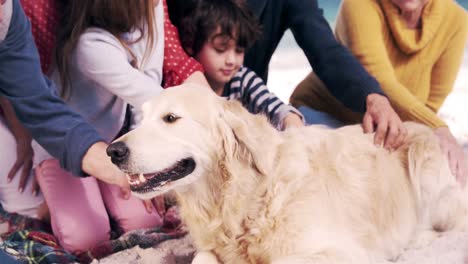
[(252, 92)]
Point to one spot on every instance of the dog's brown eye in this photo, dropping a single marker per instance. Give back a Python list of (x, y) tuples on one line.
[(170, 118)]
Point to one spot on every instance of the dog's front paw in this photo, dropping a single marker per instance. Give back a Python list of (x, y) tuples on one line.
[(205, 257)]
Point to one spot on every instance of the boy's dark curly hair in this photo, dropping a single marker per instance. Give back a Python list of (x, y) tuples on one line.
[(199, 19)]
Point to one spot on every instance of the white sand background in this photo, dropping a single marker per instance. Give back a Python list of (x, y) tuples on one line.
[(287, 69)]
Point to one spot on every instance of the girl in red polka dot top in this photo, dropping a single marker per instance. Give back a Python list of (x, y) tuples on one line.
[(111, 56)]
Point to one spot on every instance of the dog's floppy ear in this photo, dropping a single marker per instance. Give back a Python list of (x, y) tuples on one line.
[(250, 137)]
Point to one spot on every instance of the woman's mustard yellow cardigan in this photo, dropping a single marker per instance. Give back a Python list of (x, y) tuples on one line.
[(416, 68)]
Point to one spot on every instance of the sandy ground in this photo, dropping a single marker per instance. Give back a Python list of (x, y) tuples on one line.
[(287, 69), (449, 249), (177, 251)]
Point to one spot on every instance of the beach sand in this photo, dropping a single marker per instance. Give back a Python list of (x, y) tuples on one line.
[(287, 69), (448, 249)]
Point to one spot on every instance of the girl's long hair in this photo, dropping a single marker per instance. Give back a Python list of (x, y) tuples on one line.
[(114, 16)]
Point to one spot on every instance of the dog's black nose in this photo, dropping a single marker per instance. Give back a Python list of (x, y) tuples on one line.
[(118, 152)]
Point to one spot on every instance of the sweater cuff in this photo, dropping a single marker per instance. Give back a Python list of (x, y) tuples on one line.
[(429, 120), (78, 141), (372, 90), (285, 110), (358, 91)]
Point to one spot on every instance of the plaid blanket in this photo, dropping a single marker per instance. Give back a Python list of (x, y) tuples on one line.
[(30, 246), (31, 241)]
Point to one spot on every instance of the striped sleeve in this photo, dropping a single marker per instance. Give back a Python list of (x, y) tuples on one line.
[(250, 89)]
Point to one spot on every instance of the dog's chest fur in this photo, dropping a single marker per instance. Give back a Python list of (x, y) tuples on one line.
[(235, 233), (239, 222)]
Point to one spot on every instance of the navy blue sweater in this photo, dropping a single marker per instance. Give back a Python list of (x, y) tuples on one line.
[(63, 133), (343, 75)]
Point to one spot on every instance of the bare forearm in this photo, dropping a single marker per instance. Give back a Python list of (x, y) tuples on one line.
[(10, 117)]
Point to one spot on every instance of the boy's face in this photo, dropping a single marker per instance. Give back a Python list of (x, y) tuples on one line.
[(221, 58)]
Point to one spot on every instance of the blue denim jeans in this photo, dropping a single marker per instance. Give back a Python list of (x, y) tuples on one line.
[(315, 117), (7, 259)]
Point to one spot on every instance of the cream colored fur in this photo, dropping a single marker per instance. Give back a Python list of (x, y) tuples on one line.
[(308, 195)]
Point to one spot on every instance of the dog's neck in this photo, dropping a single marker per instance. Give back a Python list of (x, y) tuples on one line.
[(221, 209), (211, 207)]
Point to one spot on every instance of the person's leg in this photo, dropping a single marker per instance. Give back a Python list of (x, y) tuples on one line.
[(314, 117), (5, 258), (311, 92), (78, 215), (129, 214), (11, 198)]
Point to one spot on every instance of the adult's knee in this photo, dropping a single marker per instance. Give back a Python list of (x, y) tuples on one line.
[(312, 93), (307, 92)]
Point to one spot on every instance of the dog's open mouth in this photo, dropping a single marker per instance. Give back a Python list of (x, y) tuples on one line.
[(145, 182)]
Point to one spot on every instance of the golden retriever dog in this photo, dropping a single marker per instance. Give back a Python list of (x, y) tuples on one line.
[(251, 194)]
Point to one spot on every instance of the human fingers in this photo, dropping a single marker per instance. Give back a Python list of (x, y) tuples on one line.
[(160, 205), (461, 168), (381, 132), (464, 174), (460, 175), (367, 123), (35, 185), (393, 132), (148, 206), (452, 159), (14, 169), (450, 147), (125, 191), (25, 174), (292, 120), (122, 182), (403, 133), (444, 149)]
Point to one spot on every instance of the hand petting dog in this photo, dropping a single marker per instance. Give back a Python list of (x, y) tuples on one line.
[(384, 121)]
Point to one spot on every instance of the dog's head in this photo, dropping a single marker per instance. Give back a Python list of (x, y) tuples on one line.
[(184, 134)]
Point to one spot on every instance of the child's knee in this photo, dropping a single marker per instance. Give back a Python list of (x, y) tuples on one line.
[(78, 236), (78, 216), (138, 219)]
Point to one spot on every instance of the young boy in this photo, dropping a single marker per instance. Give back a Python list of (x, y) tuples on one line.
[(216, 33)]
